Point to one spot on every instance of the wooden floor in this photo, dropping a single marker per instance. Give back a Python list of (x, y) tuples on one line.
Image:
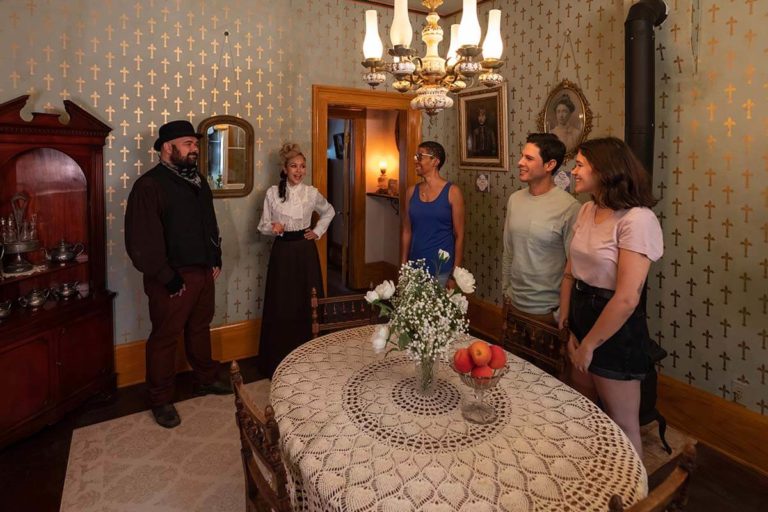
[(32, 471)]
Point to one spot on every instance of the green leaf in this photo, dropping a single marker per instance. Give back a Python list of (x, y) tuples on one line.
[(403, 341)]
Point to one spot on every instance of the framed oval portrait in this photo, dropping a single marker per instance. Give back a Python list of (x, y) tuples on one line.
[(567, 115)]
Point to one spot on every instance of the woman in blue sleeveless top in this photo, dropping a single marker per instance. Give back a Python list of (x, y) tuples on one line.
[(433, 217)]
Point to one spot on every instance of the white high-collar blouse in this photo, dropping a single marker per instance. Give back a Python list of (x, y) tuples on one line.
[(296, 212)]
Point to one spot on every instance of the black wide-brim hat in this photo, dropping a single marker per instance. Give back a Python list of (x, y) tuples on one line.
[(174, 130)]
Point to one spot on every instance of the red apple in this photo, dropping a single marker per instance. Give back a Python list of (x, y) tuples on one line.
[(482, 371), (462, 361), (480, 352), (498, 357)]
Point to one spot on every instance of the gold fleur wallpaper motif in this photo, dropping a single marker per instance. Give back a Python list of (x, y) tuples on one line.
[(707, 302), (137, 64)]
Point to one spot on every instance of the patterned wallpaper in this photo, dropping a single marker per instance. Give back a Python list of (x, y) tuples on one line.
[(707, 301), (136, 64), (139, 64)]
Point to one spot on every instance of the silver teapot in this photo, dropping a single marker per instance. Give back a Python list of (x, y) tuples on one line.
[(35, 298), (64, 252), (67, 290), (5, 308)]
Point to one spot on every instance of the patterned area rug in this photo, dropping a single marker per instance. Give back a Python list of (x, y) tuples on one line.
[(131, 463)]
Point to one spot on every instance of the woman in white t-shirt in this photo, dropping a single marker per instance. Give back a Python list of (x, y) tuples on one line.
[(616, 237)]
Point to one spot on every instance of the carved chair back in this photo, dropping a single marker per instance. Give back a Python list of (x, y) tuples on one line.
[(265, 476), (342, 312), (538, 342)]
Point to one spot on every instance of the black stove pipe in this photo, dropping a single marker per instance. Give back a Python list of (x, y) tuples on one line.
[(639, 77)]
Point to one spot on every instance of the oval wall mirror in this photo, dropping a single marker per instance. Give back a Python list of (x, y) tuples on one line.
[(226, 155)]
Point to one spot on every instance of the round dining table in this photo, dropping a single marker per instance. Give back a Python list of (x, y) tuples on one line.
[(357, 436)]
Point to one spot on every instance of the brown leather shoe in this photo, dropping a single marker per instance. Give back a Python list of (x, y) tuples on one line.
[(214, 388), (166, 415)]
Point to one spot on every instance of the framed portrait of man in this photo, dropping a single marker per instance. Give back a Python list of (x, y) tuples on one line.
[(567, 115), (483, 129)]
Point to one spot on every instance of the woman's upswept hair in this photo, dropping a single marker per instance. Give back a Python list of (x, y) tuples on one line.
[(623, 181), (288, 151), (565, 100)]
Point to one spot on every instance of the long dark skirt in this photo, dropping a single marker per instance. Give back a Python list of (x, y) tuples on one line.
[(294, 268)]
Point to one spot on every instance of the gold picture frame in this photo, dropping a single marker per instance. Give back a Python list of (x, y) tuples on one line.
[(483, 135), (566, 114)]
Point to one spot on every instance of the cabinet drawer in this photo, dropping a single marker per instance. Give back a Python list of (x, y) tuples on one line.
[(84, 352)]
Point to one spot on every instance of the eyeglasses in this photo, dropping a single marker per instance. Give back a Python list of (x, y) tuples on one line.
[(420, 156)]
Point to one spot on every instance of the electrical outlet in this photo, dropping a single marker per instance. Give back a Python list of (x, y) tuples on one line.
[(738, 389)]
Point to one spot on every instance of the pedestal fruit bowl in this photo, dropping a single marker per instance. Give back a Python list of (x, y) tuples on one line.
[(480, 367)]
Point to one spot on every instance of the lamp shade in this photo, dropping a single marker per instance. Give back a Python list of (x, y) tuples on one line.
[(372, 47), (401, 32), (450, 59), (492, 46), (469, 29)]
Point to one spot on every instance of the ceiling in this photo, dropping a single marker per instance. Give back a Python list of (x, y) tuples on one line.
[(448, 8)]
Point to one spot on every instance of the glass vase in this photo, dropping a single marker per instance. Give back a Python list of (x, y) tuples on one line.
[(426, 376)]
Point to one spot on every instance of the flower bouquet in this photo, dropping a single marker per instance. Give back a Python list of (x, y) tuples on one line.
[(424, 317)]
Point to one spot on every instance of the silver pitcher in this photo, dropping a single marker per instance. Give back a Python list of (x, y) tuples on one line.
[(35, 298), (67, 290), (64, 252)]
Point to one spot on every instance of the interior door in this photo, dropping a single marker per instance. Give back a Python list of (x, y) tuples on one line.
[(325, 102), (356, 187), (353, 212), (345, 216)]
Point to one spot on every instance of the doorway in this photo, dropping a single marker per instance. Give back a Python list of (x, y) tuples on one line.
[(346, 139), (373, 131)]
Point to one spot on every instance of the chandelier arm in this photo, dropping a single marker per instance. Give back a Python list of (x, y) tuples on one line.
[(419, 72)]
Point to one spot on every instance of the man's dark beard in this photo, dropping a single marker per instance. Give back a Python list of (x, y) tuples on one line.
[(183, 163)]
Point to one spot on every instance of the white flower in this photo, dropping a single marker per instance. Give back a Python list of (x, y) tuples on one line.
[(385, 290), (443, 256), (460, 301), (424, 318), (464, 279), (379, 338), (382, 331)]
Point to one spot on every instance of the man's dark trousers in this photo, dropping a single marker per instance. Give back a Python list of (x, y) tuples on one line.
[(190, 314)]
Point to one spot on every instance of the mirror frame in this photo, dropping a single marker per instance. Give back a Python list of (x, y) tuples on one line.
[(203, 160)]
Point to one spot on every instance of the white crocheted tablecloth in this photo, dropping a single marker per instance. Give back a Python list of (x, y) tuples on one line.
[(356, 436)]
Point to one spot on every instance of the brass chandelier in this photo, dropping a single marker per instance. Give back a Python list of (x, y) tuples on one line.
[(432, 77)]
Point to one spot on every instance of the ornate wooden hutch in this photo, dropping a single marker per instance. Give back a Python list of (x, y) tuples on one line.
[(58, 354)]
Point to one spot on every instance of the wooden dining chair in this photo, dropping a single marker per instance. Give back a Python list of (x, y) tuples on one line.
[(341, 312), (671, 494), (537, 342), (265, 476)]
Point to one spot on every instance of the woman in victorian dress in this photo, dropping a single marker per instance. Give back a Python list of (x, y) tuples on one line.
[(564, 129), (294, 264)]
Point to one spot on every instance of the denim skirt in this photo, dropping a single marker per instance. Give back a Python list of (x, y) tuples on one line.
[(623, 356)]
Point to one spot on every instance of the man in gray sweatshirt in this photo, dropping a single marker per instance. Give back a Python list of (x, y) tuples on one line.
[(537, 231)]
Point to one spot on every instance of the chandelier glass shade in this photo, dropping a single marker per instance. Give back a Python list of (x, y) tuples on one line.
[(431, 76)]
